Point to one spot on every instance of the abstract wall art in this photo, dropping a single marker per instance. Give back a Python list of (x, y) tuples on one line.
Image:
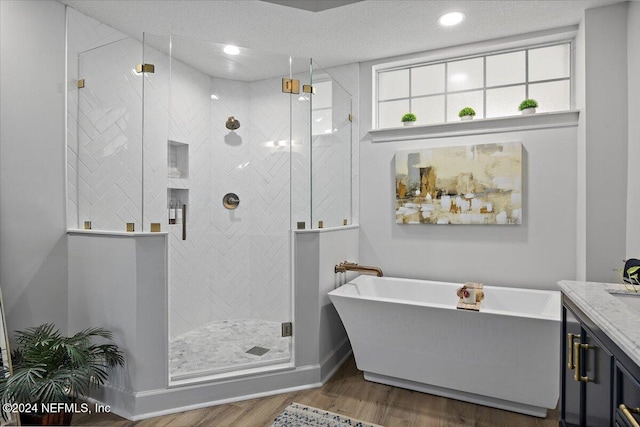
[(470, 184)]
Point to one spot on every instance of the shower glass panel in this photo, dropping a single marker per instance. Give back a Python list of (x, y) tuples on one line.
[(218, 179), (331, 155), (104, 141), (156, 89)]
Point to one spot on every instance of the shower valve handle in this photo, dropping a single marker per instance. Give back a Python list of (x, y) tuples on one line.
[(230, 201)]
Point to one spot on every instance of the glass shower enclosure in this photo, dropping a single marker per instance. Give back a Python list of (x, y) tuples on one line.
[(226, 154)]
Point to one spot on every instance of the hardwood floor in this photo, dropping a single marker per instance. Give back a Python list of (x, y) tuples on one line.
[(345, 393)]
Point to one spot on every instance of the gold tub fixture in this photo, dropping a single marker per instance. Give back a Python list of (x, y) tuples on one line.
[(352, 266)]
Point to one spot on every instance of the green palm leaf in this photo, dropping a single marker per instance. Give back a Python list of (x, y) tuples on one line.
[(52, 368)]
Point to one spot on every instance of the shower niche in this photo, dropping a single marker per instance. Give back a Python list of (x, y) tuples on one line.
[(178, 186), (177, 202), (178, 160)]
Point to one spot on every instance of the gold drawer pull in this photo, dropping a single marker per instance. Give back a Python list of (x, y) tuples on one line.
[(576, 361), (570, 338), (627, 413)]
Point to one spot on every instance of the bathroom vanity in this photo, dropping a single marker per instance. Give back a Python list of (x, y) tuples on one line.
[(600, 360)]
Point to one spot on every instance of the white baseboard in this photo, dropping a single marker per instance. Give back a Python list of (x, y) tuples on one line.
[(155, 403), (222, 401), (334, 360)]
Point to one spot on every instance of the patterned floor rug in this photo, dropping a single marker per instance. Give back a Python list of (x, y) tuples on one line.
[(297, 415)]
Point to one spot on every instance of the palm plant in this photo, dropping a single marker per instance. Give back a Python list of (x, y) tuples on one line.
[(51, 368)]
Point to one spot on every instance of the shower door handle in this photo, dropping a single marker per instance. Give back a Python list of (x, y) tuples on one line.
[(184, 222)]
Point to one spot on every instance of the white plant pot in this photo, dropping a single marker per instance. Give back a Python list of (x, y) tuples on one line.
[(407, 124), (528, 111), (466, 118)]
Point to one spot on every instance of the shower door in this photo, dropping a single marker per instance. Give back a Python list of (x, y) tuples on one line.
[(219, 138)]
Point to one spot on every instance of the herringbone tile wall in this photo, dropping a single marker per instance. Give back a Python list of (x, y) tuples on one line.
[(155, 135), (108, 160), (270, 192), (231, 173), (84, 34), (191, 286)]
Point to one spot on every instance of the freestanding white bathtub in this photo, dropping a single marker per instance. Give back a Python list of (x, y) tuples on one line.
[(408, 333)]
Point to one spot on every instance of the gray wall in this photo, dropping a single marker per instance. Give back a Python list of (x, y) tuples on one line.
[(535, 254), (633, 180), (33, 245), (579, 99), (606, 140), (598, 172)]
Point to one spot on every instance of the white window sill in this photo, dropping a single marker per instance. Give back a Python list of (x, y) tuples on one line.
[(478, 126)]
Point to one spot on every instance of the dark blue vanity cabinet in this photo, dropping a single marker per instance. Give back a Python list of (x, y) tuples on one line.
[(627, 410), (600, 385)]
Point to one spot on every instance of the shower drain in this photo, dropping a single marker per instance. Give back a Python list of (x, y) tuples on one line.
[(258, 351)]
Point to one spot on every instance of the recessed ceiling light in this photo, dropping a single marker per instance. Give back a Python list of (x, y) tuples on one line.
[(214, 96), (231, 50), (451, 18)]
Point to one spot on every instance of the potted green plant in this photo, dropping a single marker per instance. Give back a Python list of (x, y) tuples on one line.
[(467, 113), (50, 372), (408, 119), (528, 106)]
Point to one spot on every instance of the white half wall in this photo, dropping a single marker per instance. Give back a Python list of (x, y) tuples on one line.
[(119, 282), (33, 243), (317, 252)]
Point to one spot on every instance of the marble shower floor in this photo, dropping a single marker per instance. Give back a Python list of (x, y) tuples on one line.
[(221, 346)]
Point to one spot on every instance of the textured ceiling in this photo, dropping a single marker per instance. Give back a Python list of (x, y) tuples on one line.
[(355, 32)]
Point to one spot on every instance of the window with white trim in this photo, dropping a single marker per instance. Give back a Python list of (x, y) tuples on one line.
[(492, 84)]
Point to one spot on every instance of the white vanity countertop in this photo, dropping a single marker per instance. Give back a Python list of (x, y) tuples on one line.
[(619, 321)]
